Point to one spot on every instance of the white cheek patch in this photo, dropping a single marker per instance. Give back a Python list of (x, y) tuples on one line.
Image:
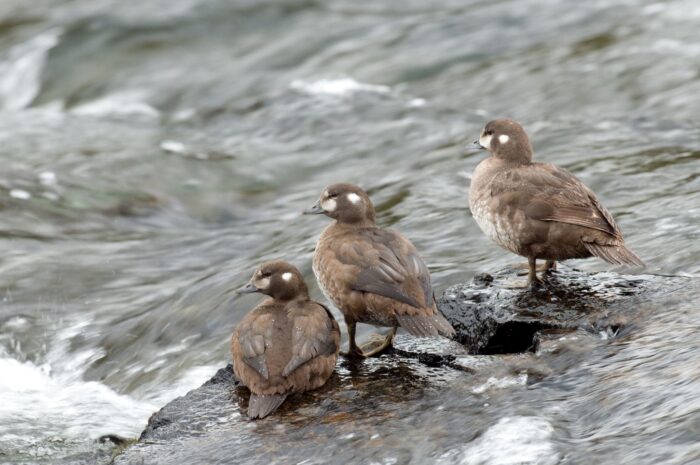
[(485, 141), (329, 205), (287, 276), (354, 198), (503, 138), (262, 283)]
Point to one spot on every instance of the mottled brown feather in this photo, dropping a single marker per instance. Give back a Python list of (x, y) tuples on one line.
[(551, 194), (373, 275), (283, 347), (538, 209)]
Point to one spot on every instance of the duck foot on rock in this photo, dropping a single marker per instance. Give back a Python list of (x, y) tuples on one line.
[(376, 345)]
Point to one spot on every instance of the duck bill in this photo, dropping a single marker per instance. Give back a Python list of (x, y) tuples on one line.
[(478, 145), (247, 289), (315, 210)]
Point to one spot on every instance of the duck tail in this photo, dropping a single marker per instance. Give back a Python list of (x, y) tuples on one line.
[(262, 406), (426, 325), (615, 254)]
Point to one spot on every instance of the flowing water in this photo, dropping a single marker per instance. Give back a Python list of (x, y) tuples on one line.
[(155, 152)]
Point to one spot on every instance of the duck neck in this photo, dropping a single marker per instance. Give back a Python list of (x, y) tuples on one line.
[(361, 224), (296, 297)]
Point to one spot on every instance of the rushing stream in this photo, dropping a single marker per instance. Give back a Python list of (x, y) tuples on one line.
[(154, 152)]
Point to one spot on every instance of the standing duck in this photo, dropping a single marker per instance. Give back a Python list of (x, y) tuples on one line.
[(287, 344), (538, 210), (372, 275)]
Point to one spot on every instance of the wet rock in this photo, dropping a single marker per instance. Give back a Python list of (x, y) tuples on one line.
[(411, 404), (208, 425), (492, 317), (179, 417)]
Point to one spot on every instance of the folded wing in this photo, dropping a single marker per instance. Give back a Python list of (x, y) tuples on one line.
[(391, 267), (315, 333), (548, 193), (254, 339)]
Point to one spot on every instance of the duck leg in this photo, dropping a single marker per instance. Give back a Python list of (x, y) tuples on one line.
[(532, 278), (353, 350), (530, 269), (524, 268)]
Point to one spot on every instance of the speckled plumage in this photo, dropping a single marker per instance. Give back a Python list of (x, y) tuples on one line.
[(538, 210), (373, 275), (287, 344)]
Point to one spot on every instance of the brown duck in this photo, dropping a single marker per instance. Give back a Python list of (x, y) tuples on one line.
[(538, 210), (287, 344), (372, 275)]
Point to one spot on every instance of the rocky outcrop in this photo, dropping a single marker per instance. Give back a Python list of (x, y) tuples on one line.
[(492, 317), (412, 400)]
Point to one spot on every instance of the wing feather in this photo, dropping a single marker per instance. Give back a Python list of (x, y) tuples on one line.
[(548, 193), (254, 338), (315, 333), (391, 267)]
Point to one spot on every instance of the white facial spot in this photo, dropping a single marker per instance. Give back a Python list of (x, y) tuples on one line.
[(263, 283), (287, 276), (329, 205), (485, 141), (503, 138), (354, 198)]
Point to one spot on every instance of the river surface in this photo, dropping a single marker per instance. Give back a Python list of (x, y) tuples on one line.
[(155, 152)]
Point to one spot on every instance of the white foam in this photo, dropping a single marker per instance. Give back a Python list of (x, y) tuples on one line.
[(511, 441), (21, 71), (20, 194), (173, 146), (47, 178), (501, 383), (65, 407), (119, 104), (53, 400), (337, 87), (36, 403)]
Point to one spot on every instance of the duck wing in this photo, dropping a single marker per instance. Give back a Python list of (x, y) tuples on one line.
[(389, 265), (253, 338), (315, 333), (548, 193)]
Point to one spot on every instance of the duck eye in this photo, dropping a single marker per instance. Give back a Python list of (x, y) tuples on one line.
[(488, 133), (333, 196), (265, 274)]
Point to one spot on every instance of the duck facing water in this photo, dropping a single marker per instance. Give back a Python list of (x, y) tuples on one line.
[(287, 344), (372, 275), (538, 210)]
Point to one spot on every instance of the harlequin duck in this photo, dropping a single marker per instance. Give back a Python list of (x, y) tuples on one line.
[(372, 275), (538, 210), (287, 344)]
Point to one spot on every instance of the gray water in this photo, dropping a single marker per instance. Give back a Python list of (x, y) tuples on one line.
[(154, 152)]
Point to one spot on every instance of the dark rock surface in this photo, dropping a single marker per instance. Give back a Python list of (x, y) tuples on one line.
[(492, 318), (411, 405)]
